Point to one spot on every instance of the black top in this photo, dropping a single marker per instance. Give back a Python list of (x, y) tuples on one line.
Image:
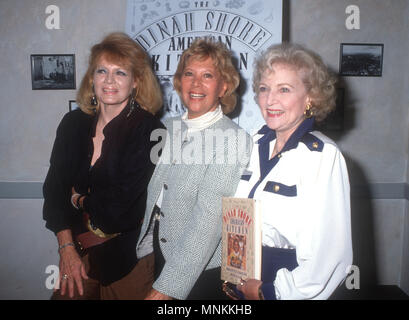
[(116, 184)]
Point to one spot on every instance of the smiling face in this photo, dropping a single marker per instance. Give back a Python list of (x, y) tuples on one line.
[(201, 87), (112, 83), (282, 99)]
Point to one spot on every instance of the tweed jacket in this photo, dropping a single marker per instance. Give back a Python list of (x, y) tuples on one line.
[(194, 172)]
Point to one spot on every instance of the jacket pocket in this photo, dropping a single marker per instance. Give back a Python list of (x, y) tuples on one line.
[(281, 189)]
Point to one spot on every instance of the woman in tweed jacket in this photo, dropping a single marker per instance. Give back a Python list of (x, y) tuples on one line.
[(201, 162)]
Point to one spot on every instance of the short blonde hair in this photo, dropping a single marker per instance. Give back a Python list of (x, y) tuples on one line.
[(203, 48), (120, 49), (317, 79)]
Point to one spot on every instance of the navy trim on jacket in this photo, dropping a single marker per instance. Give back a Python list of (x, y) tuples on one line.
[(267, 164)]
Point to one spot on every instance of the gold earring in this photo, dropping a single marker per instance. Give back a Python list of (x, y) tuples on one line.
[(308, 112)]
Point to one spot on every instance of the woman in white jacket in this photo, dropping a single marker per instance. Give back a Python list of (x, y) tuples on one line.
[(300, 177)]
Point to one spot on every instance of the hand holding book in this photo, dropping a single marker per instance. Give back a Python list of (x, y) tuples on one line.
[(250, 289), (246, 290)]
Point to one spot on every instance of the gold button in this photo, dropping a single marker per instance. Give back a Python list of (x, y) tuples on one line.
[(279, 156), (315, 145), (276, 188)]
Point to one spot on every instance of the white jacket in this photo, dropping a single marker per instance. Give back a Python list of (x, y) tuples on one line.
[(305, 201)]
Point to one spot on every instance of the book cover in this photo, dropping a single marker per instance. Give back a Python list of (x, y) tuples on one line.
[(241, 240)]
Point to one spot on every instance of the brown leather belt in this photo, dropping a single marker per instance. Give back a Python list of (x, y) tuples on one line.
[(89, 239), (93, 237)]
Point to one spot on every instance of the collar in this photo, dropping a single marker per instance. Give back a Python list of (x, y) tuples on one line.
[(266, 164), (204, 121), (269, 135)]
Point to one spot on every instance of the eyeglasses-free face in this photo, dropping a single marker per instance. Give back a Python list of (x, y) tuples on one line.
[(113, 83), (201, 87), (282, 99)]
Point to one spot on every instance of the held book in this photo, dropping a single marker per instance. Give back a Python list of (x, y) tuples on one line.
[(241, 239)]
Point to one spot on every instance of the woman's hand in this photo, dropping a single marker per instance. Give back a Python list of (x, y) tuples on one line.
[(156, 295), (74, 197), (250, 288), (72, 271), (73, 192)]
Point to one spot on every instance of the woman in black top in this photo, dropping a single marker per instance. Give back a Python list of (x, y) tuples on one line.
[(95, 189)]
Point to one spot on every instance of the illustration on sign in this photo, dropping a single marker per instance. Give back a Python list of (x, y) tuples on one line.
[(166, 28)]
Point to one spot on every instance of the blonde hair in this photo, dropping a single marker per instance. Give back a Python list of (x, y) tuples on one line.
[(120, 49), (203, 48), (318, 81)]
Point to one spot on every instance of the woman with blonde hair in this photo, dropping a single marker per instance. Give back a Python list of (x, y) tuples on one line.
[(183, 215), (95, 189), (300, 178)]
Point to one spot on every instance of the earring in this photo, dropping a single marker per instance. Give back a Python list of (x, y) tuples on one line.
[(134, 94), (308, 112), (132, 102), (94, 101)]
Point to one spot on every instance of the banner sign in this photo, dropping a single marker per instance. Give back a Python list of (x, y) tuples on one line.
[(164, 28)]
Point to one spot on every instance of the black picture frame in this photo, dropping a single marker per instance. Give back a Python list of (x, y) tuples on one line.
[(361, 59), (72, 105), (53, 71)]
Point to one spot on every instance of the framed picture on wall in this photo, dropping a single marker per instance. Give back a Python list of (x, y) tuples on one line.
[(73, 105), (52, 71), (361, 60)]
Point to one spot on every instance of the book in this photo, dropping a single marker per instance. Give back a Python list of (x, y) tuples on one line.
[(241, 239)]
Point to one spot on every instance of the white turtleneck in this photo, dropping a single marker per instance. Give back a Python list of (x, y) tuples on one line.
[(204, 121)]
